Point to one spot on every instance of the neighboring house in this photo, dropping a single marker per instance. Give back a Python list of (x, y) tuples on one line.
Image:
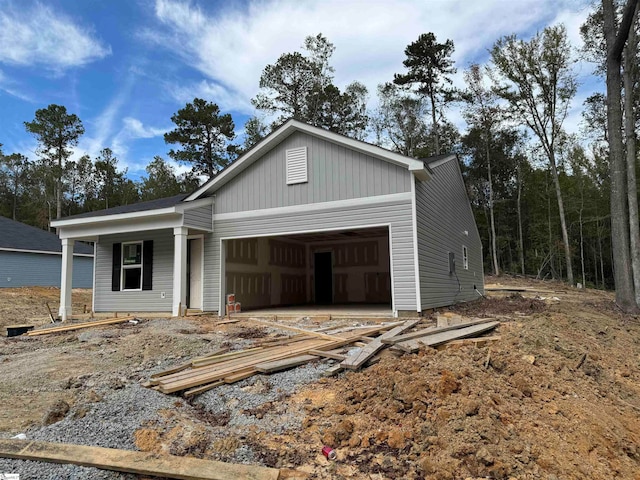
[(30, 256), (305, 217)]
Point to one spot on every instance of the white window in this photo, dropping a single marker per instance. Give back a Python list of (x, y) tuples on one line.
[(465, 258), (296, 159), (132, 266)]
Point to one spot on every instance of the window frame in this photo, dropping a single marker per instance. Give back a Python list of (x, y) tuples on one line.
[(124, 267), (465, 257)]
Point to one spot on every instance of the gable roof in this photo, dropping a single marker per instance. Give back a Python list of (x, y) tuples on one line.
[(417, 167), (20, 237)]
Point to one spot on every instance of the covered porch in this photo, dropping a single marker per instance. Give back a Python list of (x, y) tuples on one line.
[(141, 253)]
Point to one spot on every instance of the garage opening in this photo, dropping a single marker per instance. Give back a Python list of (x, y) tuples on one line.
[(336, 269)]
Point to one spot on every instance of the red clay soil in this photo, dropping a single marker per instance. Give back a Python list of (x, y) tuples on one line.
[(488, 412)]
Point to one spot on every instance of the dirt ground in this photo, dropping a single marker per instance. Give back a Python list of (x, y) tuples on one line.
[(556, 397)]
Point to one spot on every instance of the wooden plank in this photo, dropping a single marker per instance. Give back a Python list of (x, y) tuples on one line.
[(219, 351), (433, 330), (236, 377), (443, 337), (228, 370), (478, 342), (184, 366), (296, 329), (333, 370), (328, 354), (225, 322), (198, 390), (141, 463), (203, 362), (357, 359), (278, 365), (79, 326)]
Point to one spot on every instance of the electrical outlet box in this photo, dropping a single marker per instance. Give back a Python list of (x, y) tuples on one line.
[(163, 295)]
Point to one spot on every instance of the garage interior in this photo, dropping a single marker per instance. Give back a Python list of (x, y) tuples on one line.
[(320, 270)]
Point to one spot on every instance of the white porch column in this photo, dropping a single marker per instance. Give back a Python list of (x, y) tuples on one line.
[(179, 269), (66, 278)]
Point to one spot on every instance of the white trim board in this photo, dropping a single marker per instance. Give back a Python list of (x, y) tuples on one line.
[(416, 261), (177, 209), (314, 207), (448, 158), (416, 167), (43, 252)]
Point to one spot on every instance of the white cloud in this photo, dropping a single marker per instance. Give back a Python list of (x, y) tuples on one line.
[(231, 46), (227, 99), (134, 128), (38, 35), (8, 86)]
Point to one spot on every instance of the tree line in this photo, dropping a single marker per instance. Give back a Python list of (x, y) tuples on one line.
[(547, 203)]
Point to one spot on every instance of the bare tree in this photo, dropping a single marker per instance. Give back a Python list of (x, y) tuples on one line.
[(483, 112), (537, 80)]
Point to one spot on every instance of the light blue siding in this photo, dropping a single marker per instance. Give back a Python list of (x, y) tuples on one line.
[(443, 216), (138, 301), (22, 269), (334, 173), (396, 213)]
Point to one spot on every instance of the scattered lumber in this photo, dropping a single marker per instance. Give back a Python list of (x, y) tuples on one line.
[(184, 366), (78, 326), (278, 365), (141, 463), (357, 359), (435, 339), (294, 329), (235, 366), (333, 354), (432, 330), (202, 389)]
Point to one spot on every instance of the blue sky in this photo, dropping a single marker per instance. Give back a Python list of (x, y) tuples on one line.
[(125, 66)]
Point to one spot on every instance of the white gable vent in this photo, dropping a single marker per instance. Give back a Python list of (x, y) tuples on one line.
[(296, 165)]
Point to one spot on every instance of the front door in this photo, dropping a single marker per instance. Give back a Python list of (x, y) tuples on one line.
[(194, 273), (323, 275)]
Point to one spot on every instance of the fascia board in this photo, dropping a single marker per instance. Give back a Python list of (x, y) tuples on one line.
[(114, 218), (43, 252)]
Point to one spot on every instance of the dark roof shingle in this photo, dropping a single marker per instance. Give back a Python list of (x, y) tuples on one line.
[(134, 207), (16, 235)]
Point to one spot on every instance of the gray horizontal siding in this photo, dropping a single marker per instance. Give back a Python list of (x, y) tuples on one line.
[(162, 280), (443, 214), (199, 218), (396, 213), (21, 269), (334, 173)]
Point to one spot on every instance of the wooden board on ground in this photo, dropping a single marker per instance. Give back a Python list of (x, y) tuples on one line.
[(357, 359), (436, 339), (278, 365), (433, 330), (78, 326), (327, 354), (296, 329), (477, 342), (141, 463)]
